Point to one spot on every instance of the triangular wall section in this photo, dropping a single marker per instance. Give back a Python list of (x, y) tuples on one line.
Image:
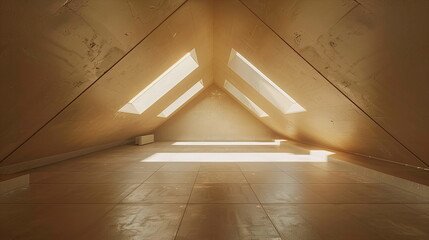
[(213, 116)]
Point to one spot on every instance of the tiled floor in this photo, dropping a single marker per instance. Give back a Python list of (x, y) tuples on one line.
[(120, 194)]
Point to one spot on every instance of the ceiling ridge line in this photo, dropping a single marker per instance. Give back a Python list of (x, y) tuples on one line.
[(347, 97), (93, 83)]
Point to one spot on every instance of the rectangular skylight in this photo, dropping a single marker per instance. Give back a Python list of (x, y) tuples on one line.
[(163, 84), (182, 99), (245, 100), (263, 84)]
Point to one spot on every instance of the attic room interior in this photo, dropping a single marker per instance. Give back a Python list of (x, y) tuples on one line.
[(214, 119)]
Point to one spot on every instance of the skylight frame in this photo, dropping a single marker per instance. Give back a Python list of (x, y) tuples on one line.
[(262, 84), (162, 84), (244, 99), (180, 101)]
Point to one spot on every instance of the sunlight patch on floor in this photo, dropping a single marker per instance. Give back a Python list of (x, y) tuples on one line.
[(314, 156), (274, 143)]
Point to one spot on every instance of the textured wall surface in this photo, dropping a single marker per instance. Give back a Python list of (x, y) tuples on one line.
[(347, 63), (89, 116), (358, 67), (376, 53)]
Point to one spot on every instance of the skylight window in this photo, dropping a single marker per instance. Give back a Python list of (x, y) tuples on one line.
[(245, 100), (163, 84), (182, 99), (263, 84)]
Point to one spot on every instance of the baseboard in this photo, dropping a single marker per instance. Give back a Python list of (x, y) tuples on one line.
[(404, 184), (407, 185), (14, 183), (22, 166)]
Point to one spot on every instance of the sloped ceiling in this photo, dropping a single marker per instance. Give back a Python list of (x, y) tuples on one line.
[(359, 68), (89, 116)]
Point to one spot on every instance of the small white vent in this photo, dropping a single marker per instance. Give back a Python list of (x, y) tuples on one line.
[(146, 139)]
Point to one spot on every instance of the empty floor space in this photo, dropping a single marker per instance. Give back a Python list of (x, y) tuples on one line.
[(132, 192)]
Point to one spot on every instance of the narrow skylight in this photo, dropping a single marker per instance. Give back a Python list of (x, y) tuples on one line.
[(182, 99), (245, 100), (263, 84), (163, 84)]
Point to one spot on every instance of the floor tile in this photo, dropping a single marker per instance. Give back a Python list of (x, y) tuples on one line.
[(393, 221), (89, 177), (318, 222), (222, 193), (226, 222), (172, 177), (270, 167), (182, 167), (219, 167), (129, 221), (220, 177), (364, 193), (331, 166), (69, 193), (327, 177), (286, 193), (137, 167), (268, 177), (72, 166), (48, 221), (297, 167), (115, 194), (160, 193)]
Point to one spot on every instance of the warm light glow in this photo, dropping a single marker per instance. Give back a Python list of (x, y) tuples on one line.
[(163, 84), (261, 83), (244, 100), (235, 157), (275, 143), (182, 99), (320, 155)]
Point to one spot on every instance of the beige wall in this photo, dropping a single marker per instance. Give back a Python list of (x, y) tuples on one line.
[(213, 115), (54, 51), (92, 118), (359, 68), (375, 52), (362, 84)]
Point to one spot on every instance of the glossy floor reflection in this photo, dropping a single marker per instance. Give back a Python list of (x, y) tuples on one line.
[(116, 194)]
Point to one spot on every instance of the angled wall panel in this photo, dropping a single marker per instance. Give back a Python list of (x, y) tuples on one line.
[(330, 119), (93, 119), (51, 51), (375, 52)]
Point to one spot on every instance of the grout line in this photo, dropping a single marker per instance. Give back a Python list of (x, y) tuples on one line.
[(333, 85), (187, 203), (115, 205), (263, 208), (93, 83)]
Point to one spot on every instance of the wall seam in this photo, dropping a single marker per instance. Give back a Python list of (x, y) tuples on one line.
[(332, 84), (92, 84)]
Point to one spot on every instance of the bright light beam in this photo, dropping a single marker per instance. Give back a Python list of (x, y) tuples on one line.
[(314, 156), (274, 143)]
